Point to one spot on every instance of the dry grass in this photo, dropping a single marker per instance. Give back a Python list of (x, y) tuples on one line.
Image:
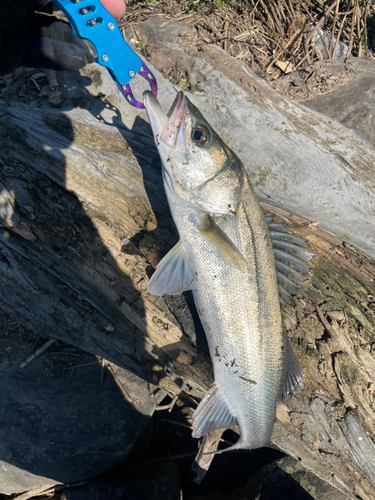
[(271, 36)]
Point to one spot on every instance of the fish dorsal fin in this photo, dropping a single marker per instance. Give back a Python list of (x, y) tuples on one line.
[(212, 413), (173, 274), (290, 257), (293, 378)]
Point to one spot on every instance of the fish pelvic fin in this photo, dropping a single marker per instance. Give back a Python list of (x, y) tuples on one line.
[(223, 245), (293, 378), (173, 274), (212, 413)]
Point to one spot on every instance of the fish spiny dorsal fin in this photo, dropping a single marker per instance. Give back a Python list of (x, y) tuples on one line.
[(212, 413), (290, 257), (173, 274), (293, 378)]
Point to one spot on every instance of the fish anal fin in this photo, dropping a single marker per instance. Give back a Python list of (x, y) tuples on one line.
[(173, 274), (212, 413), (294, 377)]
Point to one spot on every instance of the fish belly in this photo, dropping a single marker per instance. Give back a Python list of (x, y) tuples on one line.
[(247, 372)]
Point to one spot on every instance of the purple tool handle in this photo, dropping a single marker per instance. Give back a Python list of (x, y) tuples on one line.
[(127, 91)]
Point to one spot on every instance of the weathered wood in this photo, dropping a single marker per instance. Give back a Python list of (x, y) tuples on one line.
[(298, 160), (84, 220), (331, 322), (70, 267)]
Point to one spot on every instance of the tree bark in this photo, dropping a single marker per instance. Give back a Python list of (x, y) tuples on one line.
[(84, 220)]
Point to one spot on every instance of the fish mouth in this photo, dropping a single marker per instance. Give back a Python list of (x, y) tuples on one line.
[(165, 128), (155, 113), (173, 125)]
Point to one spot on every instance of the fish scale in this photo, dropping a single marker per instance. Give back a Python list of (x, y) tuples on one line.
[(236, 321)]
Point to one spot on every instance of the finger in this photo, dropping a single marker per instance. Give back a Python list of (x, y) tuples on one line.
[(115, 7)]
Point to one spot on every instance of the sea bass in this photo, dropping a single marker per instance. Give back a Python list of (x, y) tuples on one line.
[(226, 257)]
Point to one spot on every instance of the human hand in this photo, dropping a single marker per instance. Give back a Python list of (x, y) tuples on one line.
[(31, 39), (115, 7)]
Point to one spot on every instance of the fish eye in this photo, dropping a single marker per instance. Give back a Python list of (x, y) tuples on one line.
[(200, 135)]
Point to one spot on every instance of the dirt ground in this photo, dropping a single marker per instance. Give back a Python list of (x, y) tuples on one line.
[(272, 37)]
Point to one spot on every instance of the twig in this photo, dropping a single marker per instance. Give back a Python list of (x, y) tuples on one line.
[(359, 30), (333, 30), (119, 385), (178, 423), (364, 21), (33, 347), (191, 428), (296, 35), (280, 11), (254, 8), (268, 38), (340, 30), (83, 364), (226, 26), (103, 363), (37, 86), (316, 27), (169, 406), (36, 353), (351, 36), (292, 8), (286, 7), (276, 18), (269, 17), (302, 60)]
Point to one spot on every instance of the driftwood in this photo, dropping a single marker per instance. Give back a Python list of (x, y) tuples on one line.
[(298, 160), (84, 220)]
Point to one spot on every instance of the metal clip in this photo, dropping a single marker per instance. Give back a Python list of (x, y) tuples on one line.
[(145, 73)]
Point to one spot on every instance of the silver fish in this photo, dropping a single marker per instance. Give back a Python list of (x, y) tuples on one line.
[(225, 256)]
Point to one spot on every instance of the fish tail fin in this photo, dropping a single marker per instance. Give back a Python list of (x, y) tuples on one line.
[(212, 413)]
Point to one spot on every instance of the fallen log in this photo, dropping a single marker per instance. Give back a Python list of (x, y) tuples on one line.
[(298, 160), (84, 220)]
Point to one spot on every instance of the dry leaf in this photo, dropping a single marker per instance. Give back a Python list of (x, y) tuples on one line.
[(285, 67)]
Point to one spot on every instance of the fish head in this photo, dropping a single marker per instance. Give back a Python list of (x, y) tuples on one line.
[(198, 167)]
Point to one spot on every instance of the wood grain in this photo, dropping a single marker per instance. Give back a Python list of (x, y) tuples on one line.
[(84, 220)]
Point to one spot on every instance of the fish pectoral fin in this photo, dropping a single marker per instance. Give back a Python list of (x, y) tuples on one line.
[(290, 259), (293, 378), (173, 274), (223, 245), (212, 413)]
